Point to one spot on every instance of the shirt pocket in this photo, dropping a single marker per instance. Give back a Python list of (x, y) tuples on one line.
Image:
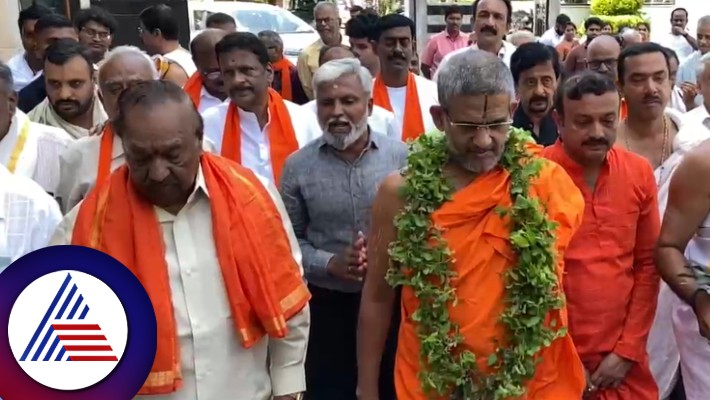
[(618, 232)]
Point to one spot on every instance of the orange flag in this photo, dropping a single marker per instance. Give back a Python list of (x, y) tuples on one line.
[(193, 88), (263, 282), (284, 66), (282, 138), (413, 121)]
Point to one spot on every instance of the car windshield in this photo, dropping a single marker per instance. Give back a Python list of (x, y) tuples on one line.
[(278, 20)]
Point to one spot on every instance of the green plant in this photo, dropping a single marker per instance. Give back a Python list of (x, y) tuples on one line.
[(616, 7), (425, 261), (617, 21)]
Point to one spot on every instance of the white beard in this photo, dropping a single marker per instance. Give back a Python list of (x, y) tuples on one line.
[(340, 141)]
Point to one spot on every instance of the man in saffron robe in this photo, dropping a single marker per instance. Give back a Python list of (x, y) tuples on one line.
[(610, 283), (476, 92), (257, 127), (286, 80), (205, 87), (213, 247), (396, 89)]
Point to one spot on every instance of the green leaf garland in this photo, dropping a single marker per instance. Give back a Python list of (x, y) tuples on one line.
[(532, 287)]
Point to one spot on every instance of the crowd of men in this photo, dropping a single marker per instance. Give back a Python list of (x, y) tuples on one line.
[(268, 208)]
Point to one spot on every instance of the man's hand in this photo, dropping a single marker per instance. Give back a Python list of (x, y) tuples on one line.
[(611, 372), (702, 312), (690, 91), (677, 30), (590, 388), (351, 264)]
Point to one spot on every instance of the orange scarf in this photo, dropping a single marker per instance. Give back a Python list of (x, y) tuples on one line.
[(105, 153), (623, 110), (263, 282), (413, 121), (193, 88), (284, 66), (282, 138)]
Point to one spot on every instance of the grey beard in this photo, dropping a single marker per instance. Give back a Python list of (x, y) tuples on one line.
[(342, 142)]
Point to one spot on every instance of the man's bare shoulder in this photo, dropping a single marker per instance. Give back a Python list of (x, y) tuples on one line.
[(697, 160), (391, 187)]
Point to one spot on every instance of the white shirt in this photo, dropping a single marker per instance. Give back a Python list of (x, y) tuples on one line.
[(39, 155), (207, 101), (22, 74), (677, 43), (687, 72), (183, 58), (428, 96), (256, 154), (504, 54), (78, 166), (28, 217), (214, 364), (380, 121), (551, 38)]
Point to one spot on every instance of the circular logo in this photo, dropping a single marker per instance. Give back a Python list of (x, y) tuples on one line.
[(82, 326), (79, 326)]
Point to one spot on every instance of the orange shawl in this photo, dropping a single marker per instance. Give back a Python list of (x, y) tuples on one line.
[(413, 121), (480, 240), (193, 88), (105, 153), (263, 282), (282, 138), (623, 110), (284, 66)]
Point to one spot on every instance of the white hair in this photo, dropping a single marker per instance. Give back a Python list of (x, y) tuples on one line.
[(335, 69), (120, 51), (471, 73), (704, 60), (326, 4), (628, 33), (516, 37)]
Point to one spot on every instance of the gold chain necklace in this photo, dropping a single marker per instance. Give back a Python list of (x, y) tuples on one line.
[(664, 148)]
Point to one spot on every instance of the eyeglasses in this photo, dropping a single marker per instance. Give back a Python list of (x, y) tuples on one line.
[(211, 75), (94, 33), (609, 63), (501, 127)]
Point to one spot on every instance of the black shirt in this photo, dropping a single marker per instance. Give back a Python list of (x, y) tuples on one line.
[(548, 128), (31, 95)]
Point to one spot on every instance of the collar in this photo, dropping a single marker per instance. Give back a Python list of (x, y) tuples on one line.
[(504, 48), (205, 94), (548, 133), (448, 35), (374, 141), (573, 168), (200, 189)]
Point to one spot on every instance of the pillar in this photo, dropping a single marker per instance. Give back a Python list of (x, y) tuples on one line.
[(10, 43)]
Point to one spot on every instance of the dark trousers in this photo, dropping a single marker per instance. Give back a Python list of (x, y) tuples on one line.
[(331, 361)]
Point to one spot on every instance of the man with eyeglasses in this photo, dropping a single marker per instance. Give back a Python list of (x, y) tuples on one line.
[(603, 57), (327, 19), (205, 87), (96, 28)]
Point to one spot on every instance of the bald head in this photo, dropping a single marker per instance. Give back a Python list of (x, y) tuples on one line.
[(274, 45), (603, 55), (203, 44), (631, 36), (122, 67), (330, 53)]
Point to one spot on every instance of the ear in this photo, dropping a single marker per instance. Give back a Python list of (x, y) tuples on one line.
[(12, 103), (439, 117), (559, 121), (370, 105), (269, 73), (514, 106)]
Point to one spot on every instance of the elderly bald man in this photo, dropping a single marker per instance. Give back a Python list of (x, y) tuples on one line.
[(603, 55), (206, 87), (286, 80), (630, 37)]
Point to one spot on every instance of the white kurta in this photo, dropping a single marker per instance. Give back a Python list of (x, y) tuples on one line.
[(28, 217), (22, 74), (78, 166), (39, 155), (428, 96), (674, 336), (207, 101), (256, 154), (214, 364), (380, 121)]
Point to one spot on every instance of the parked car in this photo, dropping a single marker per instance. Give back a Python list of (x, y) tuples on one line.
[(254, 18)]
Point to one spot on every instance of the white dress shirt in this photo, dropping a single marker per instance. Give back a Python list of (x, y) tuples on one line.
[(256, 154), (207, 101), (39, 155), (22, 74), (183, 58), (551, 38), (380, 121), (504, 54), (677, 43), (428, 96), (214, 364), (687, 72), (78, 166), (28, 217)]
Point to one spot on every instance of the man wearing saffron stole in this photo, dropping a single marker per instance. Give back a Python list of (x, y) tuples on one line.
[(396, 89), (205, 87), (257, 128), (447, 231), (213, 247), (610, 283), (92, 158), (286, 80)]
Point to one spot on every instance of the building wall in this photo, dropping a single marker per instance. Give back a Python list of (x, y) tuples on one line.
[(10, 43)]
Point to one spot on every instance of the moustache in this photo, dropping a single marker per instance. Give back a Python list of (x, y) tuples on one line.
[(651, 99), (67, 102), (489, 29), (596, 142), (537, 98), (236, 90), (398, 56)]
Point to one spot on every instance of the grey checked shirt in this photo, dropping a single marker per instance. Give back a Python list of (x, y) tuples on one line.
[(329, 198)]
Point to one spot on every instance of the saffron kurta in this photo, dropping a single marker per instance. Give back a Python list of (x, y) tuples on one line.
[(479, 238), (611, 281)]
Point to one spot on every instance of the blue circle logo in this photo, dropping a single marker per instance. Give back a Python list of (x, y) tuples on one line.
[(79, 326)]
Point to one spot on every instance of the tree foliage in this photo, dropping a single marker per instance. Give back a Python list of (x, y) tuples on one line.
[(616, 7)]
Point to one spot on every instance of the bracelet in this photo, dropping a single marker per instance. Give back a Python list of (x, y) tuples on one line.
[(694, 297)]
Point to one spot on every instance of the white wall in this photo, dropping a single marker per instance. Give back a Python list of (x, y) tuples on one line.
[(10, 43)]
